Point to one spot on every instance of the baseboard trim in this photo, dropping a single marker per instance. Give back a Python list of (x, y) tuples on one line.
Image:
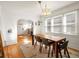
[(77, 50)]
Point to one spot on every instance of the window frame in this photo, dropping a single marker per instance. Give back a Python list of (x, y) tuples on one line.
[(75, 23), (63, 24)]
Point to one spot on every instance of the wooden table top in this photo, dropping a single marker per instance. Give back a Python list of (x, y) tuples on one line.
[(51, 37)]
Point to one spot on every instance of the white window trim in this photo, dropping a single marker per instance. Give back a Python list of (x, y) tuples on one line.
[(75, 23), (64, 23), (56, 24)]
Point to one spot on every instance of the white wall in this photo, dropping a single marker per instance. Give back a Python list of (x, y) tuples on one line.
[(73, 39), (11, 13), (0, 18)]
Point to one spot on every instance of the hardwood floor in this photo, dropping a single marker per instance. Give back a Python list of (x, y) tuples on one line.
[(22, 38), (13, 51)]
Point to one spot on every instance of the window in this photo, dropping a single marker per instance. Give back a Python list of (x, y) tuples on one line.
[(57, 24), (70, 20), (48, 25), (65, 23)]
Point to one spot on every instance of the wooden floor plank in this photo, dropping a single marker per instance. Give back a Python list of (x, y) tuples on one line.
[(13, 51)]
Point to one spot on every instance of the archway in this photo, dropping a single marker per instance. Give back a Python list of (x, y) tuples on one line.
[(24, 29)]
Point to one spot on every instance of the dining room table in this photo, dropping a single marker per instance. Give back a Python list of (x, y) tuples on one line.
[(55, 39)]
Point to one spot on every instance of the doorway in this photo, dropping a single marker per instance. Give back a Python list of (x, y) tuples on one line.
[(24, 31)]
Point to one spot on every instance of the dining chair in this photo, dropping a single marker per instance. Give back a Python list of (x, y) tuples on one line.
[(47, 43), (38, 40), (63, 46), (62, 41)]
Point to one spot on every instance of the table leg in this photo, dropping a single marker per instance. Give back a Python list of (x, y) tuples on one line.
[(56, 50), (32, 40), (53, 49)]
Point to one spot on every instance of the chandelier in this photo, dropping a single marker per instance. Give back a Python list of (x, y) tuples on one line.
[(45, 10)]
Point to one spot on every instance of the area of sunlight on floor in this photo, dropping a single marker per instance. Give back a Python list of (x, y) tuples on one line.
[(26, 41)]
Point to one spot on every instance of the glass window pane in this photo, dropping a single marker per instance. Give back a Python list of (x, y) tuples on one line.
[(58, 20), (70, 29), (48, 28), (57, 28)]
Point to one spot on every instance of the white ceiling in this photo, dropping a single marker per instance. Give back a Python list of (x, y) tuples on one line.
[(52, 5)]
